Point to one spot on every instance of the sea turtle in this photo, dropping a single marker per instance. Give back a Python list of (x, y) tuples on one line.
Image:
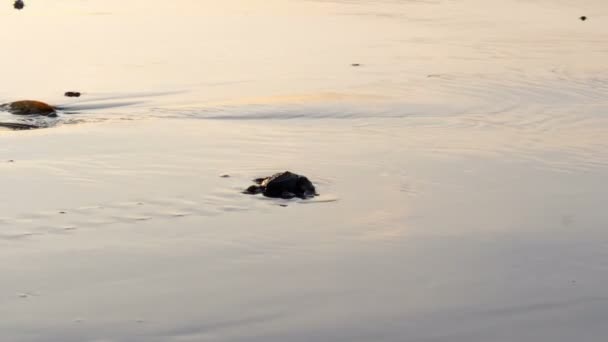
[(283, 185), (29, 107)]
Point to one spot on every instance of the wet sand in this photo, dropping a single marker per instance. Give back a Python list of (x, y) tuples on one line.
[(461, 169)]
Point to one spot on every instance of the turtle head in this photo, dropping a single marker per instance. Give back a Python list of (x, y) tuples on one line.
[(254, 189), (305, 188)]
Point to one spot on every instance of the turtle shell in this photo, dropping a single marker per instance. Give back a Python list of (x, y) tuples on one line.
[(28, 107), (286, 185)]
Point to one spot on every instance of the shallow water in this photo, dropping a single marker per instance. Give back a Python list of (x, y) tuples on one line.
[(461, 168)]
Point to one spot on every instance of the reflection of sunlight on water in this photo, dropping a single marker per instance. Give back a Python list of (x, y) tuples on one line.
[(388, 225)]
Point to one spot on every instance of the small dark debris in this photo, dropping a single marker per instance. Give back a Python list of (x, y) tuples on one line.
[(72, 94), (282, 205), (19, 4), (62, 212), (355, 64), (225, 176), (583, 18), (11, 161)]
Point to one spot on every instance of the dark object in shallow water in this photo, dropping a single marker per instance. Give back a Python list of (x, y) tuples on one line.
[(28, 107), (283, 185), (17, 126), (19, 4), (583, 18), (72, 94)]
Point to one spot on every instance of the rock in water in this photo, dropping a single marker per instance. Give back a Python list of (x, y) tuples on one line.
[(28, 107), (283, 185), (19, 4)]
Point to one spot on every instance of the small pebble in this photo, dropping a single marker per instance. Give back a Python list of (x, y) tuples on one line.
[(355, 64), (72, 94), (583, 18), (225, 176), (283, 205), (62, 212), (11, 161), (19, 4)]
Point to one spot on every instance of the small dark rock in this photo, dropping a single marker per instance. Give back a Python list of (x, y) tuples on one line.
[(225, 176), (11, 161), (583, 18), (62, 212), (19, 4), (72, 94), (282, 205), (355, 64)]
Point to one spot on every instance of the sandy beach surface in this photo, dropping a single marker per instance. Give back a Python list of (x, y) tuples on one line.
[(461, 166)]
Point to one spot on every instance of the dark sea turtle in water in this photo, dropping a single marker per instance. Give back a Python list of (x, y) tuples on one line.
[(283, 185), (29, 107), (26, 108)]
